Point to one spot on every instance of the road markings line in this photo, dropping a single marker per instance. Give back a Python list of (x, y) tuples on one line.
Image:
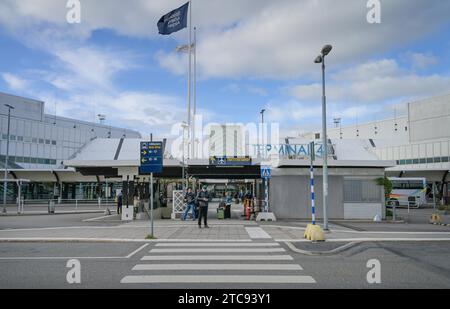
[(203, 267), (98, 218), (218, 245), (257, 233), (136, 251), (218, 250), (217, 257), (218, 279)]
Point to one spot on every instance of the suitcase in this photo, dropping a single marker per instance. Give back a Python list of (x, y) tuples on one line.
[(220, 214)]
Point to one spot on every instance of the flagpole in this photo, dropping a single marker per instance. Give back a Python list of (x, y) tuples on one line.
[(195, 92), (189, 80)]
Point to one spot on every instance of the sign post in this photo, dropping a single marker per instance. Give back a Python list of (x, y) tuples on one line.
[(313, 204), (151, 162), (266, 174)]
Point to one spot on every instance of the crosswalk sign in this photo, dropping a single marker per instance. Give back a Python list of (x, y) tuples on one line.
[(265, 172)]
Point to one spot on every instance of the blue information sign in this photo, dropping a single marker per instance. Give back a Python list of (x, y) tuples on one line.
[(151, 158), (265, 172)]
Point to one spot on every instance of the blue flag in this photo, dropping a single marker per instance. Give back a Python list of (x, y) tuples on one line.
[(174, 21)]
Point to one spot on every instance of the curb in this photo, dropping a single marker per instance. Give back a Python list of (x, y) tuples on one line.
[(111, 240), (54, 214), (319, 253), (441, 224)]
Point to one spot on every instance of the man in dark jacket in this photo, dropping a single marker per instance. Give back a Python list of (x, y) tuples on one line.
[(119, 203), (189, 199), (203, 200)]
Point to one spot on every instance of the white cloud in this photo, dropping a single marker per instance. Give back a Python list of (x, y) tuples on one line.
[(15, 82), (262, 38), (422, 61), (374, 82)]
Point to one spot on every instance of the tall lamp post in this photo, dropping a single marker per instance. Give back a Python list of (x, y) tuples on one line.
[(5, 184), (262, 130), (321, 59)]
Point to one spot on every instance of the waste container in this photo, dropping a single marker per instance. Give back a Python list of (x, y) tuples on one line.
[(51, 206)]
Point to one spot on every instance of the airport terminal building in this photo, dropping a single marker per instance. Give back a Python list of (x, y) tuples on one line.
[(418, 142), (72, 159), (39, 143)]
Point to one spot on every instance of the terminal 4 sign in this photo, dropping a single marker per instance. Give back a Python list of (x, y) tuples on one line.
[(151, 158), (230, 161)]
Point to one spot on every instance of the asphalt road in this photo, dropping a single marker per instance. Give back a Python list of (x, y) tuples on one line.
[(105, 266)]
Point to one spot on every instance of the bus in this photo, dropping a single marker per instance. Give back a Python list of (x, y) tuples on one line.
[(408, 191)]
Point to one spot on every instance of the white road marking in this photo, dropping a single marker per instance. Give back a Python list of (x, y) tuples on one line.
[(257, 233), (98, 218), (136, 251), (217, 257), (218, 279), (217, 250), (217, 267), (218, 245)]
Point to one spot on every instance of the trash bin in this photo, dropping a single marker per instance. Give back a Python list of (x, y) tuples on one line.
[(51, 206)]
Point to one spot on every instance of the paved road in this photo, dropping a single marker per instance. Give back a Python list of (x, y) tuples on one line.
[(221, 265)]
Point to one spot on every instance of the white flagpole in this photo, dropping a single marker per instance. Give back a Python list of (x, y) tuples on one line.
[(195, 93), (189, 79)]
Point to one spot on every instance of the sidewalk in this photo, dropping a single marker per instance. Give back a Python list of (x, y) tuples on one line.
[(230, 230)]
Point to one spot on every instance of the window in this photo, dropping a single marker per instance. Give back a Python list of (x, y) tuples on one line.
[(54, 143), (34, 140), (20, 138), (444, 159), (213, 132), (41, 141), (4, 136), (429, 160), (47, 142), (361, 191), (33, 160), (317, 136), (12, 137)]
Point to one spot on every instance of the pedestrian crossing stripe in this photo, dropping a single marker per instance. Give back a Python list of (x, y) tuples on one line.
[(260, 279), (225, 259)]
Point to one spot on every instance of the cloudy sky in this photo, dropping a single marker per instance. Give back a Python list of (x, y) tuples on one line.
[(252, 54)]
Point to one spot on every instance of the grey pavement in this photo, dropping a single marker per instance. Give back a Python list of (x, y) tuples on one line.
[(126, 265)]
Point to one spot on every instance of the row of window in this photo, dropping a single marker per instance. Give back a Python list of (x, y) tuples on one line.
[(361, 191), (30, 160), (28, 139), (424, 161)]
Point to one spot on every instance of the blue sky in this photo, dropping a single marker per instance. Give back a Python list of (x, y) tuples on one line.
[(252, 54)]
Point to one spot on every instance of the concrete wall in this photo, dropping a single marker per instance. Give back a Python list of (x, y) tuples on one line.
[(430, 119), (290, 197), (363, 210)]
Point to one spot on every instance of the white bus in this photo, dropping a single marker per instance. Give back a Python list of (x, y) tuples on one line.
[(409, 191)]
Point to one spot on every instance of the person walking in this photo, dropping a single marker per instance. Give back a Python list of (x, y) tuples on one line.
[(189, 199), (119, 203), (228, 202), (203, 200)]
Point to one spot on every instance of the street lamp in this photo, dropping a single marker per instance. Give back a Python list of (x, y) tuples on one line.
[(321, 59), (262, 129), (7, 157)]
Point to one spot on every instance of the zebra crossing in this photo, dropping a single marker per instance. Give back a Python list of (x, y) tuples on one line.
[(217, 262)]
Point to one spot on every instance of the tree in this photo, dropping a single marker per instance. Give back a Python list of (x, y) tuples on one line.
[(387, 184)]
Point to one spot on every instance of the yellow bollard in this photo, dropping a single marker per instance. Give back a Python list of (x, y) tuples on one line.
[(307, 231), (316, 234), (435, 218)]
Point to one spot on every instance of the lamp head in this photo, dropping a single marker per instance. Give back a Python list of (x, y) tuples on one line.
[(319, 59), (326, 49)]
